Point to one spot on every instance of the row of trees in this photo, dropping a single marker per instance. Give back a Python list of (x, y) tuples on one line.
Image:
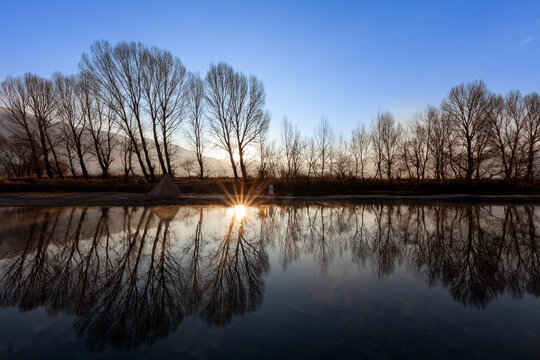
[(473, 134), (128, 102)]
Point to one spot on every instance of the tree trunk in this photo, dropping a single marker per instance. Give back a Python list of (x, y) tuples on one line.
[(58, 170), (45, 151), (81, 160), (243, 166), (145, 150), (231, 158), (201, 165), (138, 154), (158, 149), (167, 154)]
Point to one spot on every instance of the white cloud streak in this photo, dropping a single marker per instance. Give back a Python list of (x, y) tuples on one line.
[(526, 41)]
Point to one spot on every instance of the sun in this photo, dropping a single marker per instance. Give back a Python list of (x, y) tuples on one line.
[(236, 157), (239, 211)]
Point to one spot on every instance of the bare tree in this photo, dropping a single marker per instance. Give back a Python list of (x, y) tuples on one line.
[(188, 165), (416, 150), (118, 73), (311, 156), (196, 123), (292, 148), (73, 120), (532, 133), (127, 149), (164, 90), (440, 140), (19, 122), (100, 120), (262, 154), (360, 144), (272, 159), (249, 115), (219, 81), (69, 148), (42, 103), (236, 112), (342, 160), (324, 138), (15, 158), (507, 118), (130, 64), (386, 137), (467, 106), (376, 139)]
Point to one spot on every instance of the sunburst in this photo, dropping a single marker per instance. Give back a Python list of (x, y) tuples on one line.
[(242, 198), (239, 211)]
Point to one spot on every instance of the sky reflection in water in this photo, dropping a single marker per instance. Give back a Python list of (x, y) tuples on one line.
[(374, 280)]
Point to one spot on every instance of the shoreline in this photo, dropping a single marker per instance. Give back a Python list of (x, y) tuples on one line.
[(134, 199)]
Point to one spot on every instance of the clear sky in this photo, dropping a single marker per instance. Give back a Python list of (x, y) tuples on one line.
[(345, 60)]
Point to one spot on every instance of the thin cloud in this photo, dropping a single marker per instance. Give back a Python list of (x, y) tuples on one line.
[(526, 41)]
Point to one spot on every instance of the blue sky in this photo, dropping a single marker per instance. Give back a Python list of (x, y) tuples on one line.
[(345, 60)]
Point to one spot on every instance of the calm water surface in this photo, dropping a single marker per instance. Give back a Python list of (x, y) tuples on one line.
[(351, 281)]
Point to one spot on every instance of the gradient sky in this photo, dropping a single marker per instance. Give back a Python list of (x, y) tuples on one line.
[(345, 60)]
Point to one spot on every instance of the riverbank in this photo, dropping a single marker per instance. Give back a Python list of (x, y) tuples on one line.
[(290, 187), (133, 199)]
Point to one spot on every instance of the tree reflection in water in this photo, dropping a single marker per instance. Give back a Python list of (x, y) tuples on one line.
[(131, 275)]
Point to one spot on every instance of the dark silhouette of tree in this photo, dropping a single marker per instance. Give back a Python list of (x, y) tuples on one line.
[(416, 149), (164, 88), (360, 146), (237, 114), (467, 106), (219, 97), (42, 104), (100, 120), (324, 140), (386, 138), (129, 100), (440, 141), (293, 147), (234, 283), (73, 121), (20, 123), (507, 120), (196, 123), (118, 72), (532, 133)]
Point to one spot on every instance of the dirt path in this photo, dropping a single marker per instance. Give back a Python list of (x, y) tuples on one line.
[(131, 199)]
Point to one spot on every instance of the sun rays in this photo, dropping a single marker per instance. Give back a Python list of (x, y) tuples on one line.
[(241, 198)]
